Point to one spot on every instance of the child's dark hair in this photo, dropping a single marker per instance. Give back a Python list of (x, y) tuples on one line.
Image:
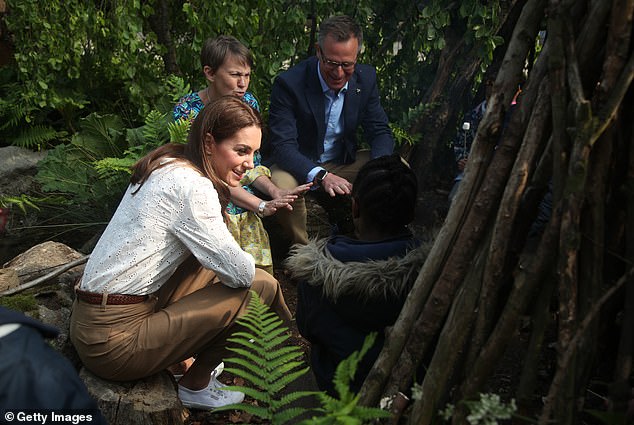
[(385, 190)]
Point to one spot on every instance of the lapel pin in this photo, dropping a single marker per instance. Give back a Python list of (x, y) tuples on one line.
[(358, 91)]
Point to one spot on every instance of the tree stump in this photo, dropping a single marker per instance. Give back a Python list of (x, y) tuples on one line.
[(149, 401)]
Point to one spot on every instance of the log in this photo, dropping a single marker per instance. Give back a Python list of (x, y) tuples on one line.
[(150, 401)]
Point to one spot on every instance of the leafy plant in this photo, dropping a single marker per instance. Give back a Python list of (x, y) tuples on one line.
[(270, 366), (402, 137), (21, 202), (267, 363), (345, 409), (485, 411), (93, 170), (179, 130)]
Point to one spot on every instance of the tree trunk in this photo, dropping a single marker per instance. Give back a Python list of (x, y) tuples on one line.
[(149, 401)]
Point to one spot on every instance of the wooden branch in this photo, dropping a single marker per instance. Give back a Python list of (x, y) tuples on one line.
[(608, 113), (624, 364), (451, 345), (46, 277), (530, 272), (499, 250), (571, 350), (436, 306)]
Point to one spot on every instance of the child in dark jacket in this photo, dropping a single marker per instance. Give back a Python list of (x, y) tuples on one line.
[(350, 287)]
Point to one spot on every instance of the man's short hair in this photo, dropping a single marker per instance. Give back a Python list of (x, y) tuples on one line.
[(341, 28)]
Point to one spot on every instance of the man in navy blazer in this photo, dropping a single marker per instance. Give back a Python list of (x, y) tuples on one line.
[(316, 108)]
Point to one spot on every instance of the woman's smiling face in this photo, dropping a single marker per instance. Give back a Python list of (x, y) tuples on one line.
[(233, 156)]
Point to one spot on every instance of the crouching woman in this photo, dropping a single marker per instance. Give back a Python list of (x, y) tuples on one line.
[(166, 280)]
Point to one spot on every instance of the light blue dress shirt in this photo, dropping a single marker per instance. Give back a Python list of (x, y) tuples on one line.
[(333, 148)]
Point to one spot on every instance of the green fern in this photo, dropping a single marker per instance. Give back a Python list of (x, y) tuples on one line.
[(155, 128), (13, 110), (345, 409), (114, 167), (177, 87), (267, 364), (37, 136), (179, 130), (270, 366), (12, 114)]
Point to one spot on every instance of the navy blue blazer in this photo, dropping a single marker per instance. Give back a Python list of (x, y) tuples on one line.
[(297, 118)]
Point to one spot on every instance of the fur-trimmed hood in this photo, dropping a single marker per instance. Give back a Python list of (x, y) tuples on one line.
[(393, 277)]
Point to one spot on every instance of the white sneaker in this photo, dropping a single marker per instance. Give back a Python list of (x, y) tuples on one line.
[(209, 398), (215, 373)]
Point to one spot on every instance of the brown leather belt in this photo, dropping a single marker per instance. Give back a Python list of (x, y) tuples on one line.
[(112, 299)]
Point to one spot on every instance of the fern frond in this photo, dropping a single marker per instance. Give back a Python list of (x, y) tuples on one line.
[(266, 363), (36, 136), (155, 129), (177, 87), (14, 110), (286, 379), (294, 396), (11, 117), (261, 396), (179, 130), (254, 378), (288, 415), (113, 167), (254, 358), (346, 410)]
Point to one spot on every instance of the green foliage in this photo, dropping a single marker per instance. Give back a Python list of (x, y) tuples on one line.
[(37, 137), (486, 411), (21, 202), (92, 76), (179, 130), (93, 170), (402, 137), (73, 57), (345, 409), (267, 363)]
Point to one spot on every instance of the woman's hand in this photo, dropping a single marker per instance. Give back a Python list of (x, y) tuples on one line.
[(271, 207), (276, 192)]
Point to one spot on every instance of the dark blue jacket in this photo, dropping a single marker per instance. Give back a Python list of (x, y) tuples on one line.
[(297, 118), (347, 289), (35, 376)]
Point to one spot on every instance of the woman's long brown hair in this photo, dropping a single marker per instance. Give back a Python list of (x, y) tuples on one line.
[(222, 119)]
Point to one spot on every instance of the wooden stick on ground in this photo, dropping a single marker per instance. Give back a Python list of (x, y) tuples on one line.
[(51, 275)]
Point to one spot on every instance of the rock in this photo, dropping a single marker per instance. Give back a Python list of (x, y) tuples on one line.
[(152, 401), (8, 279), (55, 297), (17, 166), (44, 258)]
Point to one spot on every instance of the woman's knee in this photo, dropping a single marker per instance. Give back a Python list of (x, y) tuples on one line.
[(265, 285), (270, 292)]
